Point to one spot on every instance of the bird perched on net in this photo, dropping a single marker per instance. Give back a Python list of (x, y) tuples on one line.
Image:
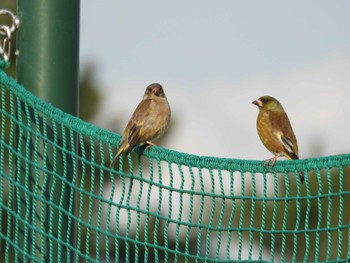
[(149, 121), (275, 131)]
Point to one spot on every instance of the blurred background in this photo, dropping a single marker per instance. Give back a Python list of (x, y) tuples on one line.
[(214, 59)]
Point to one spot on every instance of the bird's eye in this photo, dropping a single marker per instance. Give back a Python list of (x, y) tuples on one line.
[(264, 100)]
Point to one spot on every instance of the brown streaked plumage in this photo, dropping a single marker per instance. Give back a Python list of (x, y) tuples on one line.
[(148, 122), (275, 131)]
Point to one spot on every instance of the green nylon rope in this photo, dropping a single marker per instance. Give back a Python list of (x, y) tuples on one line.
[(160, 205)]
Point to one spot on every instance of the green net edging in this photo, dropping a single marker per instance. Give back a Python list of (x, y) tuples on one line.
[(60, 201)]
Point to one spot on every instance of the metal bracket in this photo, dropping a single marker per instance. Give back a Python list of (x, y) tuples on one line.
[(6, 33)]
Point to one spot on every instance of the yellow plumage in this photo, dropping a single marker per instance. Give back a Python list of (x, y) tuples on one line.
[(275, 130)]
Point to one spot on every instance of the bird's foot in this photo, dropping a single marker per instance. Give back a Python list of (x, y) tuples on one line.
[(272, 160), (149, 145)]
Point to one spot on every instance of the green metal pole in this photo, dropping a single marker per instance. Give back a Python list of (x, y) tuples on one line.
[(47, 65)]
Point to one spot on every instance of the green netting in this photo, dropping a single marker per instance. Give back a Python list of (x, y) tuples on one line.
[(60, 201)]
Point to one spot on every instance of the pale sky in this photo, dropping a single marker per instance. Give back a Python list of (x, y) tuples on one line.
[(214, 58)]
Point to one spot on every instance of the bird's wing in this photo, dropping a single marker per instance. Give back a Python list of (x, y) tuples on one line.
[(134, 133), (137, 122), (282, 129), (289, 149)]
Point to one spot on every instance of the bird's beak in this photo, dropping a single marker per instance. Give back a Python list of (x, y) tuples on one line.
[(257, 103), (156, 92)]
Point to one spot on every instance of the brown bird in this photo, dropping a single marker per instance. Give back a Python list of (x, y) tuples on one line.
[(149, 121), (275, 131)]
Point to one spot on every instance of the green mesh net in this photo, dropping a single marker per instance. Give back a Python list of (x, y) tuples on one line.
[(60, 201)]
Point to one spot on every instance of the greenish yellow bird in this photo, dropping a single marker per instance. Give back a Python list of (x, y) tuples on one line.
[(275, 131), (149, 121)]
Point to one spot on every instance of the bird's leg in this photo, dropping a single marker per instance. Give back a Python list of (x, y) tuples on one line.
[(272, 160), (149, 145)]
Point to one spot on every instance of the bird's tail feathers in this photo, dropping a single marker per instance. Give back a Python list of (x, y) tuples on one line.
[(124, 147), (296, 157), (301, 175)]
